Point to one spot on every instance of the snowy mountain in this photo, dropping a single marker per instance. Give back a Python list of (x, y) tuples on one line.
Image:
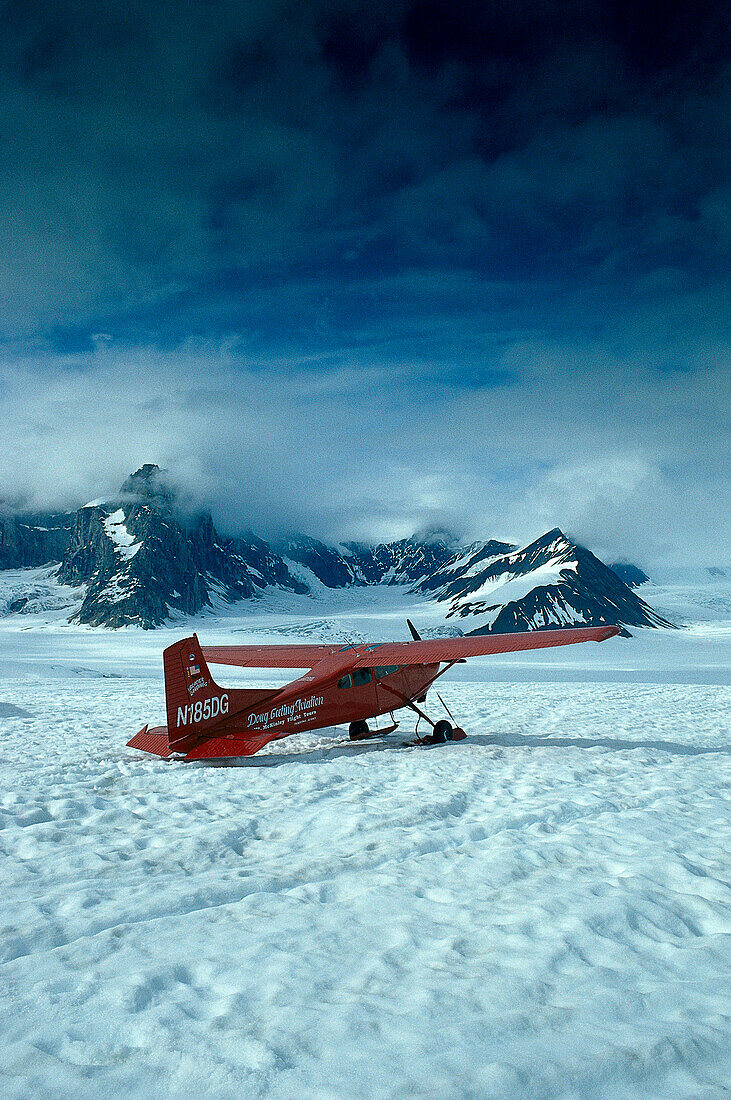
[(405, 561), (333, 566), (412, 560), (145, 556), (141, 560), (551, 582), (462, 564)]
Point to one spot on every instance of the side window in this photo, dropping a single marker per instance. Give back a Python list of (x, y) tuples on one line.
[(345, 681), (385, 670), (361, 676)]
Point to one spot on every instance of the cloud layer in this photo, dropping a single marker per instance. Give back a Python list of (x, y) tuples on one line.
[(355, 450)]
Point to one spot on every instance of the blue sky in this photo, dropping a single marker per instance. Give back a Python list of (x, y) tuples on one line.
[(356, 267)]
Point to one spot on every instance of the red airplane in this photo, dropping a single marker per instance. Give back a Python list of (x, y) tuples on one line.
[(349, 683)]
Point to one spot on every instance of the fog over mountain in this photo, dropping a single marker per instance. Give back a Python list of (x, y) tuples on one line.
[(354, 454)]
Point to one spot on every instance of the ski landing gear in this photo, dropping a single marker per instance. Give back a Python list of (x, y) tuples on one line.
[(442, 731), (359, 731)]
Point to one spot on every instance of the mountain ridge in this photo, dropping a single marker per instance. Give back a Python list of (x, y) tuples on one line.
[(567, 585), (143, 556)]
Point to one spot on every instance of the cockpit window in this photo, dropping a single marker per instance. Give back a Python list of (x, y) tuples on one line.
[(361, 676), (345, 681), (385, 670)]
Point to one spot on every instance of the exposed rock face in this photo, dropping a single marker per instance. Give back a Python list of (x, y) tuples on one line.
[(551, 582), (411, 560), (334, 567), (630, 574), (263, 565), (137, 564), (33, 539), (141, 562), (452, 575), (403, 562), (148, 485)]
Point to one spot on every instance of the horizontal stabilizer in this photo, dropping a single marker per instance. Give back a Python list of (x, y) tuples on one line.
[(152, 740), (218, 748)]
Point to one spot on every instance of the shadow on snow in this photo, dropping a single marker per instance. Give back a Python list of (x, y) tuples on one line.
[(320, 753)]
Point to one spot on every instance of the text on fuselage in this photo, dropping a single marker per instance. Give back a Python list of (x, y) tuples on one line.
[(203, 710), (295, 709)]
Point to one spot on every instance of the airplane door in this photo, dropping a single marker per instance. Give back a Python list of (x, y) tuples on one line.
[(385, 676), (345, 697), (358, 692), (365, 698)]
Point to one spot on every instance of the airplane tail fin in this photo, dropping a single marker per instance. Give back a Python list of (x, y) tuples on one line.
[(194, 701), (197, 707)]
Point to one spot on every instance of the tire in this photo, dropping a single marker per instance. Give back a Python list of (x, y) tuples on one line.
[(442, 732), (358, 731)]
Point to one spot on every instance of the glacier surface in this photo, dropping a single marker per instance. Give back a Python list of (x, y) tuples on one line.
[(539, 911)]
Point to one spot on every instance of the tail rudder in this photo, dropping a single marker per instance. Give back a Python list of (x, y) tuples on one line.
[(195, 702)]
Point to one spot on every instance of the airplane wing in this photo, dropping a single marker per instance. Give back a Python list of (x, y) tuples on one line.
[(438, 650), (271, 656), (424, 652)]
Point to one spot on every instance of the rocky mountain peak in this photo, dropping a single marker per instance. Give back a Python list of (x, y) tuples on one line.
[(149, 485), (142, 561), (551, 582), (554, 540)]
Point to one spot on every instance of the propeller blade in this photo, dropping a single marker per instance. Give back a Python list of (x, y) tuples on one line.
[(414, 632)]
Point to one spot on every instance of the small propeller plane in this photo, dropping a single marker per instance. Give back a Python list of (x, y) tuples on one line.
[(351, 683)]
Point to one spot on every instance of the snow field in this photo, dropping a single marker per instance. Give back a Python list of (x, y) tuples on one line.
[(540, 911)]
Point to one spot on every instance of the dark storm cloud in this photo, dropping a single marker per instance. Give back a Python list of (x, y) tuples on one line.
[(414, 191), (153, 150)]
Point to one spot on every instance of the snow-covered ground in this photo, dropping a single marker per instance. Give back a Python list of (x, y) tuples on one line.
[(539, 911)]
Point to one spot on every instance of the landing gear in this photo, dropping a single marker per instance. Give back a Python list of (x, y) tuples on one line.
[(442, 732), (358, 731), (452, 733)]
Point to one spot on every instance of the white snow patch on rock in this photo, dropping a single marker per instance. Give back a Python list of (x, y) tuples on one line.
[(124, 542), (506, 587)]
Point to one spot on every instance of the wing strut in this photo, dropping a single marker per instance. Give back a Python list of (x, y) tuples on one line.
[(446, 707), (410, 702)]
